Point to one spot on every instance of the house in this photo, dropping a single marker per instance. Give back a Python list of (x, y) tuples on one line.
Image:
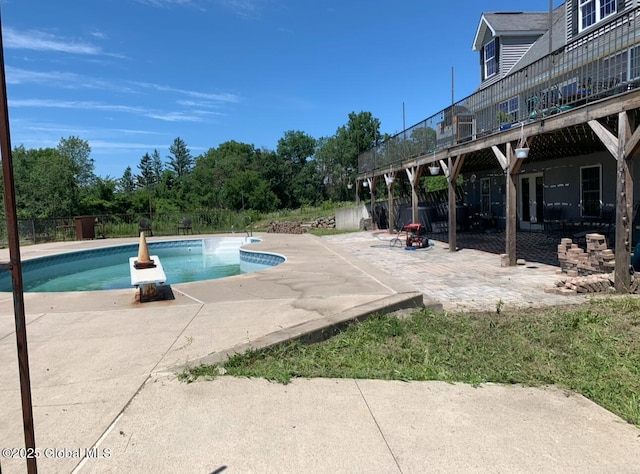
[(561, 85), (512, 45)]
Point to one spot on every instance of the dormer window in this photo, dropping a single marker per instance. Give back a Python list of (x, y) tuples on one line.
[(490, 64), (591, 12)]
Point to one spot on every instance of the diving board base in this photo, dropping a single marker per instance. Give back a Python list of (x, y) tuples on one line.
[(147, 279)]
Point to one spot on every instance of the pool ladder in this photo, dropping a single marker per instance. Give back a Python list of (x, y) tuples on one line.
[(248, 228)]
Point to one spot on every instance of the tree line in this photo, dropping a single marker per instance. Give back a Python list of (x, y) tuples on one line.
[(302, 171)]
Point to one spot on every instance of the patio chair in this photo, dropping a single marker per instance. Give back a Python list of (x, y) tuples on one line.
[(185, 226), (145, 226)]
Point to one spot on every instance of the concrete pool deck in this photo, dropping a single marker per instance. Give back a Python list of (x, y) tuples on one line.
[(104, 374)]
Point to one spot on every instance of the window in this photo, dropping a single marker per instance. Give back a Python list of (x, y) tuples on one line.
[(510, 107), (590, 191), (634, 62), (591, 12), (485, 196), (490, 66), (614, 70)]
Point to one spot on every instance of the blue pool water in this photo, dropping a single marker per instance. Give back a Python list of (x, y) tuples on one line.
[(108, 268)]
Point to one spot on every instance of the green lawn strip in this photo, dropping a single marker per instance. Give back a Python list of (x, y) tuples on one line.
[(593, 349)]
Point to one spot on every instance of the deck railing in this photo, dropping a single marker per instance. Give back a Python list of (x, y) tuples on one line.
[(603, 63)]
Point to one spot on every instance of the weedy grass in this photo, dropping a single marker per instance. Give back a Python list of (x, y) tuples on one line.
[(592, 349)]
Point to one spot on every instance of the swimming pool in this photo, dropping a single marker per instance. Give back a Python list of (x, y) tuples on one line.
[(108, 268)]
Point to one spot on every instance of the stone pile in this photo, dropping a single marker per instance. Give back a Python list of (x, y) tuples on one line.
[(289, 227), (597, 258), (600, 283), (587, 271), (324, 223), (286, 228)]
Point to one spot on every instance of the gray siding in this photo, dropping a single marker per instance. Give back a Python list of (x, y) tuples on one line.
[(512, 50), (561, 185), (572, 18)]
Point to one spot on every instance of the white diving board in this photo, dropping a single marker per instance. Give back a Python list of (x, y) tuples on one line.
[(147, 278)]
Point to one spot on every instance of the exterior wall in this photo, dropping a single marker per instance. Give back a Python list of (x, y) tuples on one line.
[(512, 50), (561, 185), (497, 195)]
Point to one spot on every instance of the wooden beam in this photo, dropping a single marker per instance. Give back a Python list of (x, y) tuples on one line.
[(445, 167), (390, 179), (500, 156), (632, 145), (624, 205), (515, 163), (608, 139), (510, 212), (414, 177), (457, 167), (372, 190), (451, 180)]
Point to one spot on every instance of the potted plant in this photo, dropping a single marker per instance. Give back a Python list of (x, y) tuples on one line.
[(504, 119)]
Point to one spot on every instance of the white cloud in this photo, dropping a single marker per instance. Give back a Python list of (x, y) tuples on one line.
[(41, 41), (70, 104), (168, 3), (226, 97), (174, 117), (90, 105), (244, 8), (24, 76)]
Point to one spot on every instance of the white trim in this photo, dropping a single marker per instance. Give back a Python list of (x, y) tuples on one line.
[(598, 18), (493, 58), (532, 223), (599, 166)]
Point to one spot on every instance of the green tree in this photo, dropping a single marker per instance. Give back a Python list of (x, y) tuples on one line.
[(46, 183), (79, 153), (213, 169), (362, 132), (100, 197), (273, 168), (296, 147), (331, 160), (247, 190), (293, 151), (337, 156), (180, 160), (146, 177), (307, 186), (157, 165), (126, 184)]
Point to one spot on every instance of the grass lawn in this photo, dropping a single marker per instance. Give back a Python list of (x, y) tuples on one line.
[(592, 349)]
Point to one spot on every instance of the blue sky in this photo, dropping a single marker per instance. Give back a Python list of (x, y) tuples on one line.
[(129, 76)]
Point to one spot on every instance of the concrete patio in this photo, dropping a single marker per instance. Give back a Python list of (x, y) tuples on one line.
[(104, 374)]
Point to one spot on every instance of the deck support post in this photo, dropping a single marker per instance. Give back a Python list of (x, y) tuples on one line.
[(390, 179), (623, 148), (414, 174), (624, 208), (452, 171), (511, 166), (511, 223)]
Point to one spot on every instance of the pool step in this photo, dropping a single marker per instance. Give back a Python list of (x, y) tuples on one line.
[(222, 245)]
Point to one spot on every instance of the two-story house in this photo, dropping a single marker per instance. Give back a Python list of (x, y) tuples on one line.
[(560, 85)]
